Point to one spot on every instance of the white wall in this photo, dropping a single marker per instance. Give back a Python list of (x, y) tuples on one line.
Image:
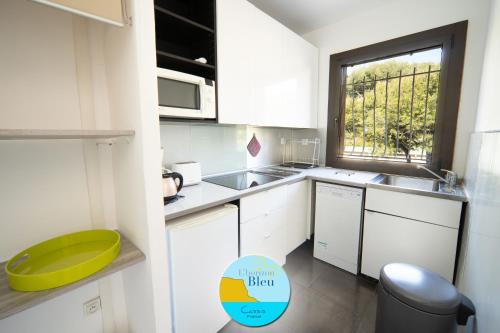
[(43, 190), (479, 266), (62, 314), (64, 71), (488, 117), (132, 84), (401, 18)]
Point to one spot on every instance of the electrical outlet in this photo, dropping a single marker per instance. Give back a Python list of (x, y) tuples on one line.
[(92, 306)]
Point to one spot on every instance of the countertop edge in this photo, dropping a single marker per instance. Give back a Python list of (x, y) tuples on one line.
[(290, 180), (433, 194)]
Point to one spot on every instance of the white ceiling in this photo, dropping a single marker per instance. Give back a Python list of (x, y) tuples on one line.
[(303, 16)]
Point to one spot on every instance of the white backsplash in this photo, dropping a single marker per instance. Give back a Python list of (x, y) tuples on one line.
[(217, 148), (270, 140), (222, 148)]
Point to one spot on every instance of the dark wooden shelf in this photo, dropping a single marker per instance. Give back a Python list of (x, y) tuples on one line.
[(176, 57), (12, 302), (183, 19)]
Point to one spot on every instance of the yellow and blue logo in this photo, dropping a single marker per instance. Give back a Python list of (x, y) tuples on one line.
[(254, 291)]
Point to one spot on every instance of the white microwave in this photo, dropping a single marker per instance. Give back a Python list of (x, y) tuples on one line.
[(182, 95)]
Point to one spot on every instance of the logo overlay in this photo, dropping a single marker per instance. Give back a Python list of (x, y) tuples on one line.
[(254, 291)]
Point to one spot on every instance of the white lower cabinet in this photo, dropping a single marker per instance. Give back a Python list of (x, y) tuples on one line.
[(274, 222), (298, 214), (264, 235), (389, 239)]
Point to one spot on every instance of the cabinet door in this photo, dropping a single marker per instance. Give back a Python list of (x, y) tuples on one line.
[(388, 239), (267, 74), (299, 82), (268, 85), (265, 235), (297, 215), (236, 46)]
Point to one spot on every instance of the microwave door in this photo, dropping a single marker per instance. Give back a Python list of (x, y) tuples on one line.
[(178, 98)]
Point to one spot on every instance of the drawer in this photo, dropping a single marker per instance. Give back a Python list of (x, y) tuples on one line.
[(262, 203), (265, 235), (418, 207)]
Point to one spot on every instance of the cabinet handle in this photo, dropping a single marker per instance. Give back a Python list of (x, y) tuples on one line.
[(267, 235)]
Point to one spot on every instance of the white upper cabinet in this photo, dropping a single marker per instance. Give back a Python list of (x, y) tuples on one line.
[(267, 74), (236, 43), (299, 81)]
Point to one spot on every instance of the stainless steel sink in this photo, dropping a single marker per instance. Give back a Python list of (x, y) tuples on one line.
[(416, 183)]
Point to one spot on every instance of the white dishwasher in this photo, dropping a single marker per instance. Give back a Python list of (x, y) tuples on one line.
[(200, 247), (337, 225)]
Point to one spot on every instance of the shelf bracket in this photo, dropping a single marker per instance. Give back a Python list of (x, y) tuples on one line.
[(126, 17), (112, 141)]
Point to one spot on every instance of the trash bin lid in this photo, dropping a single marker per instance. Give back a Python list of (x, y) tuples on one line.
[(420, 288)]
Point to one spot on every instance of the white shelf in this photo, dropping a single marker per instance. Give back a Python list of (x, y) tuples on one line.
[(57, 134)]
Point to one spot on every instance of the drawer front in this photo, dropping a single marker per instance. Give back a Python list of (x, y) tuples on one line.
[(265, 235), (388, 239), (262, 203), (433, 210)]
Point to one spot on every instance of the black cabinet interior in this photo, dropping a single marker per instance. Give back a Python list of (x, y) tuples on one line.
[(185, 31), (200, 11)]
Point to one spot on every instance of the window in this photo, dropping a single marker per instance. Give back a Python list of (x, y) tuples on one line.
[(394, 104)]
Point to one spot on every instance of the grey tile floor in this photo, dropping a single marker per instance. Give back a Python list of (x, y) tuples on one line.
[(323, 299)]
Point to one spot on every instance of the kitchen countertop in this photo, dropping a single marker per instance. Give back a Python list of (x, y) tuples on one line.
[(206, 195)]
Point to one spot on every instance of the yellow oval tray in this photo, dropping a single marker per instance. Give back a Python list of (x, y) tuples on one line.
[(62, 260)]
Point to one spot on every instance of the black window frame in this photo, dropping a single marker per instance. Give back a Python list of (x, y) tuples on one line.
[(452, 39)]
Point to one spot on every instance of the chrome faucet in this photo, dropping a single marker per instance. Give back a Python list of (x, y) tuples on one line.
[(450, 180)]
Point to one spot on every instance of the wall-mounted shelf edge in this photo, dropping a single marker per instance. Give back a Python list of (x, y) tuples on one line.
[(58, 134), (12, 302)]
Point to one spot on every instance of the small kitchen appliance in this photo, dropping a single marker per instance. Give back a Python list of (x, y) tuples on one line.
[(190, 171), (172, 184), (182, 95)]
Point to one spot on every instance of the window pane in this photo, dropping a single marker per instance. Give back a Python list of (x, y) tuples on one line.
[(390, 108)]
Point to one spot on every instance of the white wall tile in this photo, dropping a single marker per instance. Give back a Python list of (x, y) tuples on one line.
[(222, 148), (218, 148), (479, 267), (176, 143)]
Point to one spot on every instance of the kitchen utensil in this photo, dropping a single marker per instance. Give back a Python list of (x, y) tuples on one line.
[(254, 146), (172, 184), (62, 260)]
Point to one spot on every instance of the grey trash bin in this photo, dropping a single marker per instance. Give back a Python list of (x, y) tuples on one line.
[(412, 299)]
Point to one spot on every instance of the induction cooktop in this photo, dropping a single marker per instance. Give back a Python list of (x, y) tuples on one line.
[(242, 180)]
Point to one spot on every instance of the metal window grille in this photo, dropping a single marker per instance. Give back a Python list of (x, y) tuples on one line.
[(390, 118)]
